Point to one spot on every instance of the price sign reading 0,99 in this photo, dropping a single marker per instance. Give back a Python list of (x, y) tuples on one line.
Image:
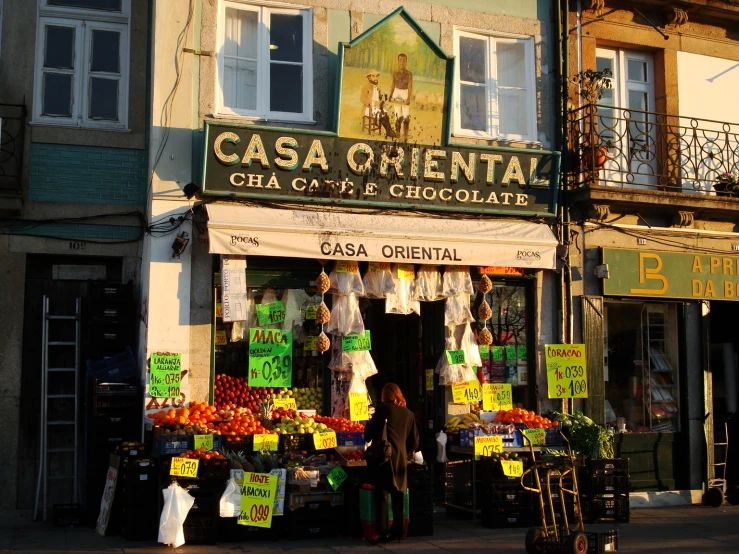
[(270, 358), (184, 467), (497, 396), (257, 499), (467, 393), (567, 375)]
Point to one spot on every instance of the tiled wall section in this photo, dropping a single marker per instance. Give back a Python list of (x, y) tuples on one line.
[(78, 231), (65, 173)]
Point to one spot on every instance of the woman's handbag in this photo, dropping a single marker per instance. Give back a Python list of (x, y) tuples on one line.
[(380, 451)]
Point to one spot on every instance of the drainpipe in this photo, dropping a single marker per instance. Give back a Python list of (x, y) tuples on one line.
[(566, 169)]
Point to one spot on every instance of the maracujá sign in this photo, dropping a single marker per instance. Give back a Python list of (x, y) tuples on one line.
[(686, 275), (297, 166)]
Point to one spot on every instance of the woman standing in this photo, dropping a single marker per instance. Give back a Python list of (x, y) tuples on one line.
[(391, 477)]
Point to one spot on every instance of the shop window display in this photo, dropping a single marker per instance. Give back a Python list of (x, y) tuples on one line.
[(641, 367)]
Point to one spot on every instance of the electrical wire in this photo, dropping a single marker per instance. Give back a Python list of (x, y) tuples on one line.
[(21, 227)]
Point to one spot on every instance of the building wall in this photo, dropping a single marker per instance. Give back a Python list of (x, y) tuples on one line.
[(707, 87)]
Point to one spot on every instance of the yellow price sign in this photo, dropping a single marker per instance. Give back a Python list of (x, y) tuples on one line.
[(266, 442), (567, 375), (429, 379), (184, 467), (358, 406), (204, 441), (467, 393), (221, 339), (379, 266), (347, 267), (497, 396), (406, 272), (324, 440), (487, 445), (219, 309), (310, 312), (287, 403), (536, 436), (310, 343), (512, 468), (257, 499)]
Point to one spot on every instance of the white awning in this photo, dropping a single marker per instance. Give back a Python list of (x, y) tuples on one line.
[(255, 231)]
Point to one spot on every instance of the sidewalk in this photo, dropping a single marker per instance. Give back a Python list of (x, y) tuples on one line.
[(686, 530)]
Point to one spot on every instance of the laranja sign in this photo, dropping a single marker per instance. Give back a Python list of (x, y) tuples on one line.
[(657, 274), (320, 167)]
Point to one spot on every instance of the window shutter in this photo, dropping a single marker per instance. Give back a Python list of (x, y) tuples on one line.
[(592, 336)]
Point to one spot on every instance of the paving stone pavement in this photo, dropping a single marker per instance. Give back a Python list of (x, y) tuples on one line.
[(684, 530)]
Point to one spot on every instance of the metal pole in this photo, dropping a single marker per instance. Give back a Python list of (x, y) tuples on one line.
[(43, 423)]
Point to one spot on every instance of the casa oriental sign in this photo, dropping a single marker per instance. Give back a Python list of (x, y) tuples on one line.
[(318, 167)]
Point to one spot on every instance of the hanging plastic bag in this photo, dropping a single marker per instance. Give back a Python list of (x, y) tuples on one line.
[(230, 504), (239, 331), (457, 280), (441, 439), (345, 279), (346, 318), (358, 363), (378, 281), (177, 504), (459, 337), (429, 284), (457, 310), (295, 301), (402, 300), (468, 343)]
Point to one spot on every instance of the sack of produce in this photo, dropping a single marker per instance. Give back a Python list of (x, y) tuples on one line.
[(457, 281), (345, 279), (429, 284), (378, 281)]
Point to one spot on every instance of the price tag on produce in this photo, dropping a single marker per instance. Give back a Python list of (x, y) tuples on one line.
[(204, 441), (336, 477), (184, 467), (467, 393), (406, 272), (165, 374), (269, 314), (310, 312), (221, 339), (487, 445), (567, 375), (347, 267), (310, 343), (266, 442), (429, 379), (536, 436), (379, 266), (257, 499), (286, 403), (356, 343), (455, 357), (497, 396), (270, 358), (358, 406), (512, 468), (324, 440)]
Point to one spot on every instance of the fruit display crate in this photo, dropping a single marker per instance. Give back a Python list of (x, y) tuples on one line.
[(350, 438), (173, 445), (295, 442), (467, 438), (553, 436), (208, 470), (243, 443)]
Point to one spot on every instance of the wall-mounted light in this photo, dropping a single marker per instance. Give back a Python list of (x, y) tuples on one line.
[(190, 190)]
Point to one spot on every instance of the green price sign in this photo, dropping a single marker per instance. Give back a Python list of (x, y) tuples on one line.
[(455, 357), (522, 353), (510, 354), (497, 353), (270, 358), (165, 374), (356, 343), (484, 351), (269, 314), (336, 477), (310, 313), (204, 441)]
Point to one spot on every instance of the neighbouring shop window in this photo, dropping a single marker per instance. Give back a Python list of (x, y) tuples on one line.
[(265, 62), (495, 87), (82, 63), (507, 359), (641, 373)]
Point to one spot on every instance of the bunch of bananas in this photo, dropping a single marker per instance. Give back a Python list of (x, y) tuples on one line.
[(456, 423)]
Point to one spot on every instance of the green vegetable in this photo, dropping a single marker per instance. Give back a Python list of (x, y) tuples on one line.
[(591, 440)]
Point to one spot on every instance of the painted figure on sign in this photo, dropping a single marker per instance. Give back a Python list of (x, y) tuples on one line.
[(402, 91), (373, 104)]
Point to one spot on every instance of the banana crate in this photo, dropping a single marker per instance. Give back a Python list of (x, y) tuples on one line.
[(460, 422)]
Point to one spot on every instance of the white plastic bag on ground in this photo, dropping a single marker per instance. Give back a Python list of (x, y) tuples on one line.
[(177, 504)]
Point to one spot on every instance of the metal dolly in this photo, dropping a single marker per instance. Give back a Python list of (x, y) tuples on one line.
[(718, 489)]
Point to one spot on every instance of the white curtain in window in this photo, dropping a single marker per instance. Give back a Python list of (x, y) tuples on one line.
[(512, 108), (240, 59)]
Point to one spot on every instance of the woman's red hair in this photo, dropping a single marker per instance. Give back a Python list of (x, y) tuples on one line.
[(391, 393)]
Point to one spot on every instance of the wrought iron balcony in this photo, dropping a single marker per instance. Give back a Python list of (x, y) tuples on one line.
[(652, 151), (12, 127)]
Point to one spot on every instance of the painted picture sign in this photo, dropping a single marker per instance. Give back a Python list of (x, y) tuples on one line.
[(392, 148)]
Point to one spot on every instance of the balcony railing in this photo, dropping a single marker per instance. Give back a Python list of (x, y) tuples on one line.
[(652, 151), (12, 127)]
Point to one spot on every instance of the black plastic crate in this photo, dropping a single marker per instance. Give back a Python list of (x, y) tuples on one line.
[(614, 484), (200, 530), (295, 442), (602, 542), (67, 515), (110, 293), (607, 466), (421, 527), (501, 520), (507, 499), (595, 510)]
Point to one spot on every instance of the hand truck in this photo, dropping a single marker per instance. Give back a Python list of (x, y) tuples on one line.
[(718, 489)]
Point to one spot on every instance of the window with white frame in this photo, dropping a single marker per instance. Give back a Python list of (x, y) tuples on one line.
[(82, 63), (495, 87), (265, 62)]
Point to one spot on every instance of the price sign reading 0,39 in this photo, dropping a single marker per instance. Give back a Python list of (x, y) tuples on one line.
[(270, 358)]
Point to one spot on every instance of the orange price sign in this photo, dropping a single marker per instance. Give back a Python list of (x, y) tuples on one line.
[(358, 409)]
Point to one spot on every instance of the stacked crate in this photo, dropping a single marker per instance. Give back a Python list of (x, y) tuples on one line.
[(504, 503), (421, 500), (137, 499), (111, 319), (604, 490)]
